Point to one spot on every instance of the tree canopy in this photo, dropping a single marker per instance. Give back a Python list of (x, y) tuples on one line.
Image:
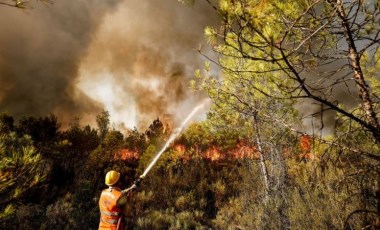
[(322, 57)]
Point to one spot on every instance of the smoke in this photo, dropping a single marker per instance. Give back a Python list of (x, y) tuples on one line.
[(76, 58), (332, 82), (39, 55), (146, 52)]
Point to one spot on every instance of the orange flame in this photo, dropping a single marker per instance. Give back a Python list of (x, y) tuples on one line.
[(126, 155), (243, 151), (213, 154), (180, 148), (305, 144), (180, 153)]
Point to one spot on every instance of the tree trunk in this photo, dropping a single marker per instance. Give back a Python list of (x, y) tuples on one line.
[(354, 60), (263, 167)]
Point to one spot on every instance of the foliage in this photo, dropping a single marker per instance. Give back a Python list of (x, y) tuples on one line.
[(169, 219), (113, 139), (325, 196), (6, 123), (103, 122), (302, 52), (136, 140), (21, 171), (156, 133), (85, 215), (59, 213), (188, 191), (305, 63), (82, 140), (146, 158)]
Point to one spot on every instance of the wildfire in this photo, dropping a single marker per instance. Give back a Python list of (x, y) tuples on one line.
[(305, 143), (126, 155), (167, 122), (180, 153), (180, 149), (243, 151), (212, 154)]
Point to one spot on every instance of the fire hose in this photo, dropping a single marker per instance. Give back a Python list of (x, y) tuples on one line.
[(172, 137)]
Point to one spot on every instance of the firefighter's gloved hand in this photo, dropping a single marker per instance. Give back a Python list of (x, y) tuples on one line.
[(138, 182)]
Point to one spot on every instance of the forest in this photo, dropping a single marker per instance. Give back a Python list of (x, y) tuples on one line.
[(208, 178), (291, 140)]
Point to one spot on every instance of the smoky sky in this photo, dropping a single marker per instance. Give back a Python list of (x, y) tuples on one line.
[(76, 58)]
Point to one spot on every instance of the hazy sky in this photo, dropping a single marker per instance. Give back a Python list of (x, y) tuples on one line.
[(74, 58)]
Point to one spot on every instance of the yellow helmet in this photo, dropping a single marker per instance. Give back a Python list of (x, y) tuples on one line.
[(112, 177)]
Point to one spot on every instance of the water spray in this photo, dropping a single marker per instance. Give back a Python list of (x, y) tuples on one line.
[(172, 137)]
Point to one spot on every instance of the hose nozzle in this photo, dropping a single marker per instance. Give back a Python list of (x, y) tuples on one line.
[(138, 182)]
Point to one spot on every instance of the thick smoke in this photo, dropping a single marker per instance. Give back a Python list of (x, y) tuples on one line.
[(39, 55), (146, 52), (75, 58)]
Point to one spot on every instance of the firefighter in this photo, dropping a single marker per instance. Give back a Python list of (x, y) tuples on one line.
[(112, 201)]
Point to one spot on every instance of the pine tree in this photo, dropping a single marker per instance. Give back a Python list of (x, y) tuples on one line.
[(21, 171)]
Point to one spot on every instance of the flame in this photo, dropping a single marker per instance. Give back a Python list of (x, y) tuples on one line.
[(243, 151), (311, 156), (213, 154), (126, 155), (167, 122), (180, 148), (180, 153), (305, 142)]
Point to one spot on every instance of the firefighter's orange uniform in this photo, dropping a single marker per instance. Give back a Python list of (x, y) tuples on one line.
[(110, 209), (111, 203)]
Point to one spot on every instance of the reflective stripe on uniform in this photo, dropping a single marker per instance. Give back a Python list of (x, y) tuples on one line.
[(106, 213), (110, 213), (109, 221)]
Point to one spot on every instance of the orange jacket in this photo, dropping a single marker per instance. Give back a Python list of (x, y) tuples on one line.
[(110, 213)]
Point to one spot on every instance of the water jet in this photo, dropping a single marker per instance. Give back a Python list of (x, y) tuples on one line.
[(172, 137)]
